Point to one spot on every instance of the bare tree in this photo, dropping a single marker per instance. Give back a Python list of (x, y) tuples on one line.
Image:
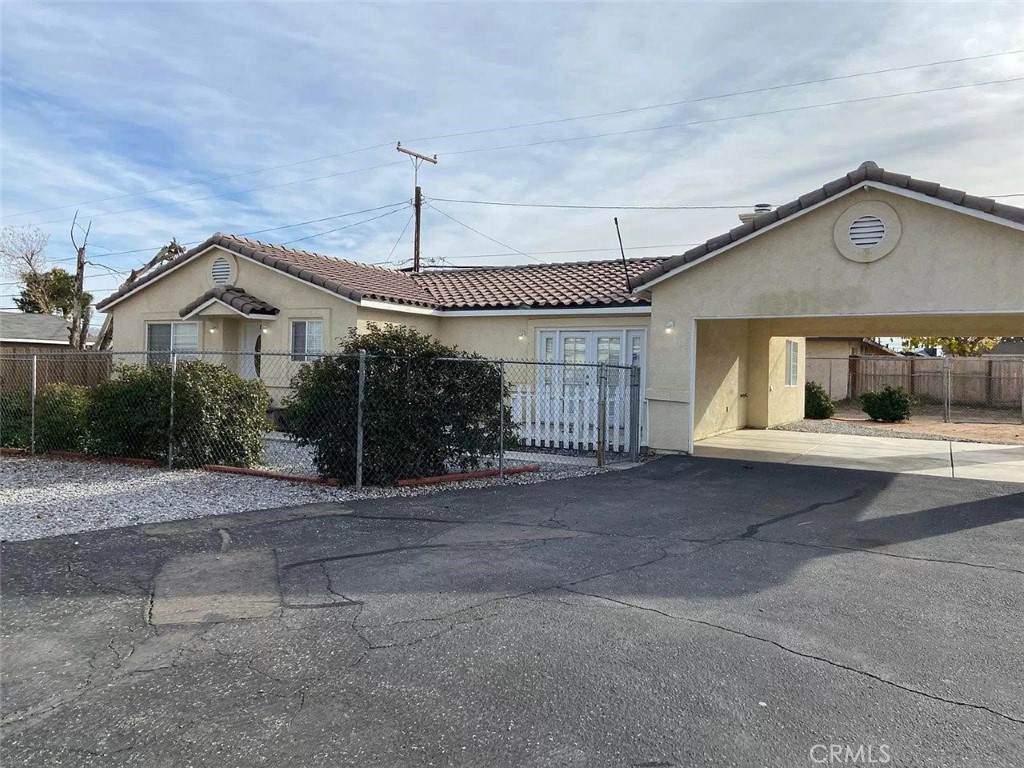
[(80, 312), (23, 256), (168, 252)]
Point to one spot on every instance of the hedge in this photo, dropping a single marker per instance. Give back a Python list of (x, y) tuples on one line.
[(219, 418), (429, 409)]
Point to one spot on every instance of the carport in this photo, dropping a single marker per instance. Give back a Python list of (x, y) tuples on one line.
[(873, 253)]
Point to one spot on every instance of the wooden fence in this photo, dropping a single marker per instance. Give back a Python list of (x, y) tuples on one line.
[(86, 369), (972, 381)]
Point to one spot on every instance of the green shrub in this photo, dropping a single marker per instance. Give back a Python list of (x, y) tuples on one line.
[(817, 403), (62, 418), (422, 415), (15, 420), (219, 418), (891, 404)]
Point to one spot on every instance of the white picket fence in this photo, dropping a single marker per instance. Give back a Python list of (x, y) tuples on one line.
[(553, 416)]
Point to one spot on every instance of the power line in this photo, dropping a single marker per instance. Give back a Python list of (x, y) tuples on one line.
[(713, 97), (347, 226), (536, 124), (600, 207), (400, 236), (735, 117), (397, 206), (229, 194), (487, 237)]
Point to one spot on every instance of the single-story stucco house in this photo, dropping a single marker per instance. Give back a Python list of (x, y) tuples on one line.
[(828, 361), (718, 331)]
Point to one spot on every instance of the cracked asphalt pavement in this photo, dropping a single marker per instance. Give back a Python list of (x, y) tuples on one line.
[(688, 612)]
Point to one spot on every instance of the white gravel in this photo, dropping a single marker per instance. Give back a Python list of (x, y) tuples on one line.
[(47, 497)]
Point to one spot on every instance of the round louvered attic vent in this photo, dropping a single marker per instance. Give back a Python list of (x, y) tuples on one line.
[(220, 271), (867, 231)]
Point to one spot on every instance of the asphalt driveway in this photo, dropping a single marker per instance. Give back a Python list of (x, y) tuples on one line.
[(689, 612)]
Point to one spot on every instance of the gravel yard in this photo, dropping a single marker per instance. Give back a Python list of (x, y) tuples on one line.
[(48, 497)]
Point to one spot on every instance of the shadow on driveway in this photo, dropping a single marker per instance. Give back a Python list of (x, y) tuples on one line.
[(686, 611)]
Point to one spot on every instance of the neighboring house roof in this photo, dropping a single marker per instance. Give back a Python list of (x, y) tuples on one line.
[(237, 299), (575, 284), (1013, 347), (867, 172), (24, 327), (580, 284)]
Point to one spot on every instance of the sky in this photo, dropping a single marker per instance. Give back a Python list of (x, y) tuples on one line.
[(161, 120)]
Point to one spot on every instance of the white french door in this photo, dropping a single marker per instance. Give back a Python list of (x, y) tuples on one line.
[(564, 402)]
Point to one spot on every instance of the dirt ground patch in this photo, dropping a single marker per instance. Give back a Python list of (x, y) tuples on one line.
[(849, 415)]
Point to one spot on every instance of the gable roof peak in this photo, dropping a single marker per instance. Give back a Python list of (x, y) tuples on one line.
[(868, 171)]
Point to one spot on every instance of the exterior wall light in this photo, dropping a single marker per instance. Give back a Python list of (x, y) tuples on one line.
[(669, 326), (522, 335), (213, 329)]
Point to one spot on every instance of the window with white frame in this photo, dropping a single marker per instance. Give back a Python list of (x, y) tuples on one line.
[(164, 338), (792, 363), (578, 348), (307, 339)]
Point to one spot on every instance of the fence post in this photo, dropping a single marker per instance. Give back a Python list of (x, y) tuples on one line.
[(170, 426), (634, 412), (32, 406), (501, 420), (360, 398), (946, 388), (1022, 391), (602, 412)]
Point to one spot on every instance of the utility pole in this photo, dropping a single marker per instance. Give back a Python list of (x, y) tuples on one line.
[(417, 201), (79, 314)]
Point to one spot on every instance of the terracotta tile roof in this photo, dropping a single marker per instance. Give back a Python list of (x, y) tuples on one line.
[(867, 171), (236, 298), (576, 284), (350, 279), (579, 284)]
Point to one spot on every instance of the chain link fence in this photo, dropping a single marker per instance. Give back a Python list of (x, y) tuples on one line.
[(354, 419), (952, 389)]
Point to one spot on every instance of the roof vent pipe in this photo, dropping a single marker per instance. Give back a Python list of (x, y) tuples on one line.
[(758, 210)]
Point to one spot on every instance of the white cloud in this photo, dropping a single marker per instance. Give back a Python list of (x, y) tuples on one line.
[(118, 99)]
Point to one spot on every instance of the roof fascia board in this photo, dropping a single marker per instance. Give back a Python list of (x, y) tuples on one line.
[(4, 340), (863, 185), (832, 316), (532, 312), (390, 306), (548, 312)]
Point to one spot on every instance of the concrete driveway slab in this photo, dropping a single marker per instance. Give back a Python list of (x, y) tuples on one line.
[(936, 458), (691, 611)]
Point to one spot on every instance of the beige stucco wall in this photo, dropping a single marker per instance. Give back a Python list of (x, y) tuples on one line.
[(721, 402), (949, 274), (499, 337), (828, 364)]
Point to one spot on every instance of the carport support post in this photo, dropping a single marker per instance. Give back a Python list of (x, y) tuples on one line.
[(32, 406), (360, 399), (602, 412), (501, 419), (1022, 391), (946, 387), (170, 425), (634, 413)]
